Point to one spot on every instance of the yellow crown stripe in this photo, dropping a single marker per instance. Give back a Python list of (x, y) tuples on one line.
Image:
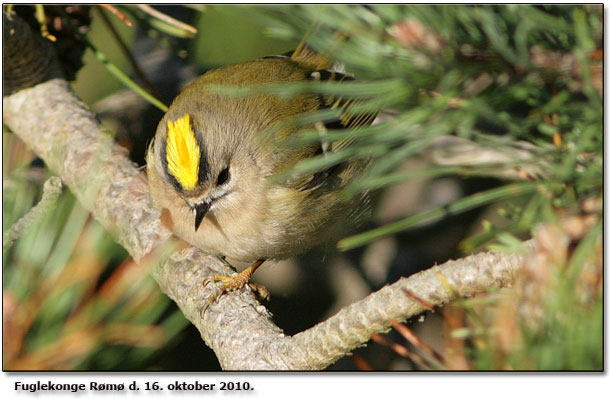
[(183, 152)]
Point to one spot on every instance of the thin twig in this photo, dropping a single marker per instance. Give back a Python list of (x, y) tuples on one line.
[(117, 13), (401, 350), (417, 342), (51, 191), (42, 20), (167, 19), (128, 54), (113, 69), (361, 363), (423, 303)]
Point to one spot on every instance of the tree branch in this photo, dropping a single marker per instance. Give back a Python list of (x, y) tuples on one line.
[(51, 192)]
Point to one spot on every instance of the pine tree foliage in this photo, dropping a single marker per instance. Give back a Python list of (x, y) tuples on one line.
[(501, 76), (521, 87)]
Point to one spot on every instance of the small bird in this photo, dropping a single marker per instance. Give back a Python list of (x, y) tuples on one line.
[(213, 158)]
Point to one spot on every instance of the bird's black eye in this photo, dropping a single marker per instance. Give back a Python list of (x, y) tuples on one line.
[(223, 176)]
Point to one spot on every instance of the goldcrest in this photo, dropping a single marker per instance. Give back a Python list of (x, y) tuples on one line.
[(213, 158)]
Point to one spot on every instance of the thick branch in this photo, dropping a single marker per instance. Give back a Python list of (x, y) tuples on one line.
[(352, 326)]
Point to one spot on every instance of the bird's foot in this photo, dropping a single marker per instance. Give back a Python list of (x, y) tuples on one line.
[(236, 282)]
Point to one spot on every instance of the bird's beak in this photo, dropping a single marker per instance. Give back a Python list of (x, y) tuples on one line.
[(200, 211)]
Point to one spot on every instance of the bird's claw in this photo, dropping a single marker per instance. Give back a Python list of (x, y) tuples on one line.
[(232, 284), (235, 283)]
